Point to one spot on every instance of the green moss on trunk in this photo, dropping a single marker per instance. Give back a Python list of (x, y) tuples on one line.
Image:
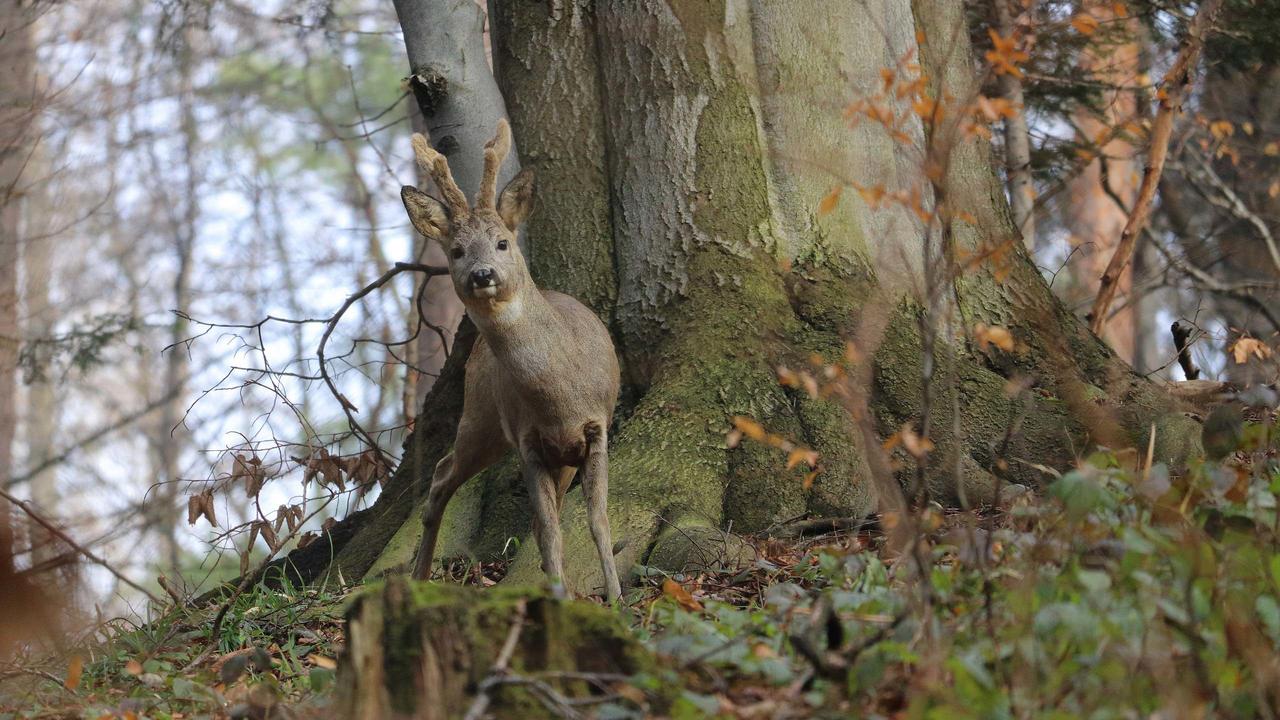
[(422, 650)]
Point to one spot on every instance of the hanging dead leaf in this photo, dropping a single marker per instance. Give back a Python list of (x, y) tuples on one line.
[(677, 592), (201, 504)]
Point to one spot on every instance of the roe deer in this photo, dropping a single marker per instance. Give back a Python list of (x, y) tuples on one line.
[(542, 377)]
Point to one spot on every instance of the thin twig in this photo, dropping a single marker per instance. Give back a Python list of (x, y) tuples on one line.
[(332, 323), (1172, 92), (499, 670), (39, 520)]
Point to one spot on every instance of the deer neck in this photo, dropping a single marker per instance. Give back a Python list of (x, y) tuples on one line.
[(521, 332)]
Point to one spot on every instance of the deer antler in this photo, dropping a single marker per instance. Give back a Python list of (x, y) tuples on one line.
[(435, 165), (495, 151)]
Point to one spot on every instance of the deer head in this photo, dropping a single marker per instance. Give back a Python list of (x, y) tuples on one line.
[(486, 264)]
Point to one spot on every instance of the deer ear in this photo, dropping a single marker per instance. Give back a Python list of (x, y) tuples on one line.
[(425, 212), (516, 201)]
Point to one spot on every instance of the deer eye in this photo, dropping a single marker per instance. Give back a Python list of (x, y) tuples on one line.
[(458, 253), (502, 244)]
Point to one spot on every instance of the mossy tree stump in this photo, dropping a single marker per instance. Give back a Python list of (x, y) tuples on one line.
[(421, 650)]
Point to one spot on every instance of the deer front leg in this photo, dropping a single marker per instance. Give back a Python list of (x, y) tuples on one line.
[(543, 492), (595, 487), (444, 483), (473, 451)]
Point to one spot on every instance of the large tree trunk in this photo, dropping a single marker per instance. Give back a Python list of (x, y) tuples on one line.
[(682, 149)]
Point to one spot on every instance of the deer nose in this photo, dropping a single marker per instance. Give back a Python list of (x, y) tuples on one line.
[(483, 277)]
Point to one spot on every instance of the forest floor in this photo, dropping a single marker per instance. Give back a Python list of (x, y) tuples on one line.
[(1119, 590)]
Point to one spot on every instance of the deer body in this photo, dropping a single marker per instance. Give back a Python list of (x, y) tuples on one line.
[(542, 378)]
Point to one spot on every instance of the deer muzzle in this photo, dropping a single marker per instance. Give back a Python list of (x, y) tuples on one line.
[(483, 282)]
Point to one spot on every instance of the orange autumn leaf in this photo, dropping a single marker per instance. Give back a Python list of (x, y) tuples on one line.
[(677, 592), (1222, 129), (829, 202), (802, 455), (917, 445), (75, 668), (872, 195), (891, 442), (1247, 347), (1004, 54), (1085, 24), (749, 428), (987, 336)]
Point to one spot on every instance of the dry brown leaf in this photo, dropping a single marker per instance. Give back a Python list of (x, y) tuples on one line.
[(677, 592), (193, 509), (327, 663)]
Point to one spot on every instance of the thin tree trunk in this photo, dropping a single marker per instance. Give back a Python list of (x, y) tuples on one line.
[(17, 124), (170, 437), (40, 421), (1017, 140), (1103, 192)]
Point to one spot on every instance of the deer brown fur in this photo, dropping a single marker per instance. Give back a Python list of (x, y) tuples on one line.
[(542, 377)]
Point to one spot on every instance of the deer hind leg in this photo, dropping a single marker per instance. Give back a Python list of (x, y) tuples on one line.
[(595, 487), (544, 493), (473, 451)]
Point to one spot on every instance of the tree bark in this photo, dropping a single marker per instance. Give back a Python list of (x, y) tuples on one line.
[(434, 652), (683, 149), (1017, 140), (460, 105), (169, 435)]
